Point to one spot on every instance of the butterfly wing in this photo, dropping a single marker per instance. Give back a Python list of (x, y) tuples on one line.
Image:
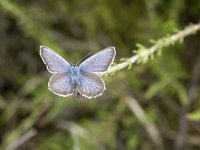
[(54, 62), (90, 85), (60, 85), (100, 61)]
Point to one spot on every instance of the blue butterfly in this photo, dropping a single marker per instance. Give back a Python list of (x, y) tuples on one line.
[(80, 81)]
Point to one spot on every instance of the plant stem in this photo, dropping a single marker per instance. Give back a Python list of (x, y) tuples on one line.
[(147, 52)]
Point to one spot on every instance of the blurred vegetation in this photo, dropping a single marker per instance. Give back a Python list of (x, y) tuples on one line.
[(153, 105)]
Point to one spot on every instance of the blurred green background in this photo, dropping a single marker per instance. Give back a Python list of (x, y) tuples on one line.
[(150, 106)]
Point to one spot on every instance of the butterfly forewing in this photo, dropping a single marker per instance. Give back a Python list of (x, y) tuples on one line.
[(90, 85), (100, 61), (54, 62), (60, 85)]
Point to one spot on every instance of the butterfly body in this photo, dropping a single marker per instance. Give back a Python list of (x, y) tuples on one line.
[(75, 79), (74, 75), (79, 81)]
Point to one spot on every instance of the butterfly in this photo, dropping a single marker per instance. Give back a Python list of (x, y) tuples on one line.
[(81, 81)]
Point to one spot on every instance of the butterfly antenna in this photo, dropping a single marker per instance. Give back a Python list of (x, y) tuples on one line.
[(83, 58)]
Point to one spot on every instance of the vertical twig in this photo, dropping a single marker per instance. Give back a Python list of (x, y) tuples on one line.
[(142, 118), (192, 94)]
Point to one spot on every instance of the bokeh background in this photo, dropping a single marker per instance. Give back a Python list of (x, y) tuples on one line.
[(153, 105)]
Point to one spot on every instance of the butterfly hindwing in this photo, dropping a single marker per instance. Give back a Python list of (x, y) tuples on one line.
[(100, 61), (90, 85), (54, 62), (60, 85)]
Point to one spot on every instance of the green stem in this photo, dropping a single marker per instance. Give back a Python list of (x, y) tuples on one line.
[(149, 51)]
